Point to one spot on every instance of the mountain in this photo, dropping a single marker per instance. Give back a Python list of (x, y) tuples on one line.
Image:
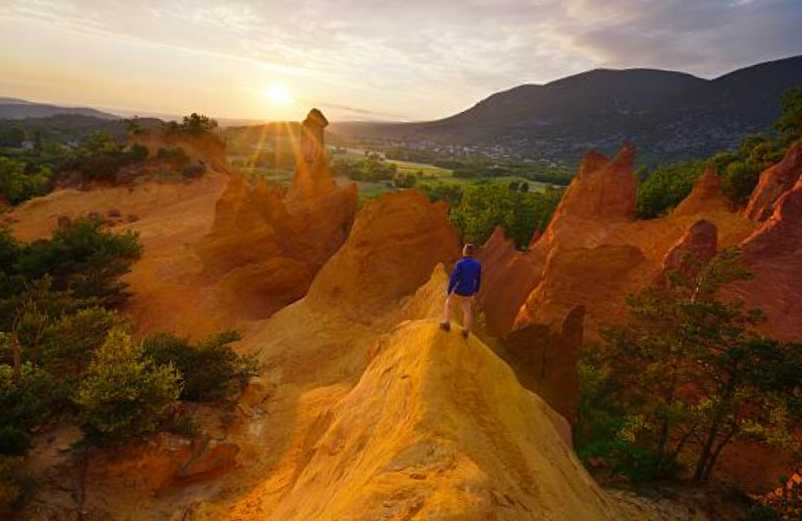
[(13, 108), (669, 115)]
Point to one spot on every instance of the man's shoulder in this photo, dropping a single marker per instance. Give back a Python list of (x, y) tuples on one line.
[(470, 261)]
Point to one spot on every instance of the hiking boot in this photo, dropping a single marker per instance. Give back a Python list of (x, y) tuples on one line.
[(445, 326), (465, 334)]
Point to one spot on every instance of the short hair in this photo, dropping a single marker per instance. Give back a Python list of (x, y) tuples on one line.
[(468, 250)]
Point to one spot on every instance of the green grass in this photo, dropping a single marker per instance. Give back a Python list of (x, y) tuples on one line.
[(370, 190), (407, 167)]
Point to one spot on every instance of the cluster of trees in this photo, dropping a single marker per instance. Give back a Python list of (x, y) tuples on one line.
[(665, 186), (474, 169), (100, 157), (29, 173), (686, 376), (194, 124), (20, 181), (67, 355), (451, 193), (483, 206), (372, 168)]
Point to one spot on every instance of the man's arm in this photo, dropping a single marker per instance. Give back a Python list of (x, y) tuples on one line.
[(453, 280), (479, 278)]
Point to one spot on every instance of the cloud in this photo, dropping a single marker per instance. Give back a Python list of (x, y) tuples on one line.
[(430, 58)]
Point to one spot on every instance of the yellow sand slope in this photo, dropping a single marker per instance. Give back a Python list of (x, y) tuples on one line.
[(438, 428)]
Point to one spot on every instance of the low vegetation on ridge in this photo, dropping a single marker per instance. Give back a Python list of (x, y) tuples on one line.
[(66, 353)]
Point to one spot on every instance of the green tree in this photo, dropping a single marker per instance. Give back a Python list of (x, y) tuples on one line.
[(789, 125), (85, 259), (197, 124), (19, 182), (484, 206), (666, 187), (124, 394), (211, 370), (691, 374), (25, 403), (69, 343)]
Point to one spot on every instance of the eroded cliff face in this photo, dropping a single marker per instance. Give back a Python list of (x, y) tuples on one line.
[(596, 252), (773, 183)]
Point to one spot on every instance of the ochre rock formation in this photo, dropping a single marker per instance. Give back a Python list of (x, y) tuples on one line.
[(773, 183), (264, 251), (163, 461), (545, 360), (705, 197), (439, 429), (395, 243), (267, 244), (699, 244), (507, 278), (207, 147), (773, 254), (596, 252)]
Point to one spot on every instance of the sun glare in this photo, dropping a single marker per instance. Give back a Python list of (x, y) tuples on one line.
[(279, 94)]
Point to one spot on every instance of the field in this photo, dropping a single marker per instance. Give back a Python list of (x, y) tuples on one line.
[(425, 173)]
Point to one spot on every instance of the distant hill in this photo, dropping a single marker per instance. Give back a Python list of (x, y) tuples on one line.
[(74, 127), (669, 115), (13, 108)]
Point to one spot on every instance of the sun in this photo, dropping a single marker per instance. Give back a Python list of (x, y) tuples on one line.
[(279, 94)]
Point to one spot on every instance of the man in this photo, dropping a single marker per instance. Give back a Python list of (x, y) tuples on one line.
[(463, 284)]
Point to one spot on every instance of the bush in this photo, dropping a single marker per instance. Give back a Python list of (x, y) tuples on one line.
[(138, 152), (124, 394), (20, 182), (84, 259), (176, 156), (70, 342), (211, 370), (25, 404)]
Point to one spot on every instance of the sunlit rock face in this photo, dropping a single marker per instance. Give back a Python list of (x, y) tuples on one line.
[(508, 275), (773, 183), (394, 245), (773, 254), (267, 244)]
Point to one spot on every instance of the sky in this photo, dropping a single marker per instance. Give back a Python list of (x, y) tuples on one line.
[(359, 59)]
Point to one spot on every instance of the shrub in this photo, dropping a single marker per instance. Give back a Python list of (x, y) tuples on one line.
[(24, 404), (176, 156), (20, 182), (84, 259), (70, 342), (211, 370), (138, 152), (124, 394)]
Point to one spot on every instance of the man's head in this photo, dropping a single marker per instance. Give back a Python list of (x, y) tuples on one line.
[(468, 249)]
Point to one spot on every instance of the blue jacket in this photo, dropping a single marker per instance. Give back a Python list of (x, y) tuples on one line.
[(466, 277)]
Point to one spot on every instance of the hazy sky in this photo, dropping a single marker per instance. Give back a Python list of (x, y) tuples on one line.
[(358, 59)]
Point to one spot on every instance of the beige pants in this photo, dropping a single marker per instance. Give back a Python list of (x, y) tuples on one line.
[(467, 309)]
